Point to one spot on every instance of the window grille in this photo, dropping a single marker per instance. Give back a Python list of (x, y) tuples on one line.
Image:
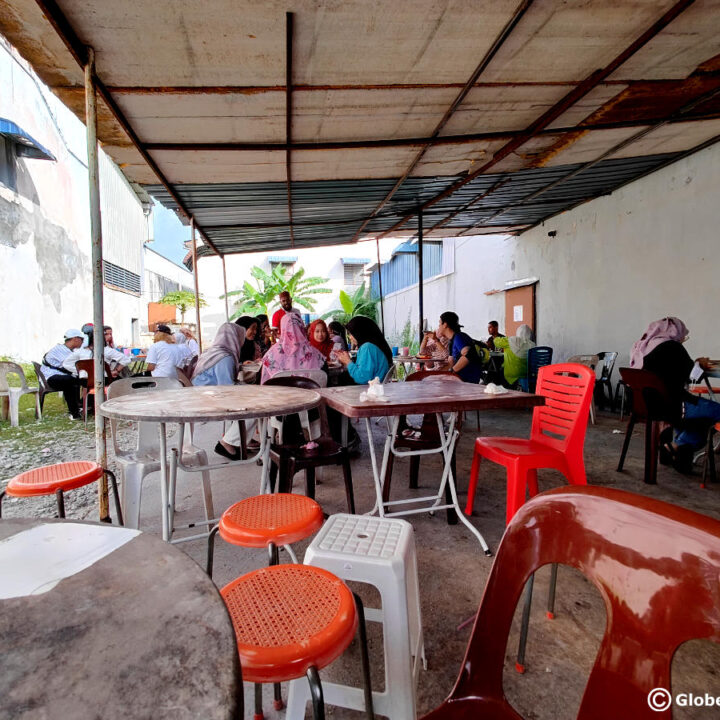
[(120, 278), (353, 274)]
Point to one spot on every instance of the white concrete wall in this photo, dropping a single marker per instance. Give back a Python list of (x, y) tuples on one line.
[(45, 269), (617, 263)]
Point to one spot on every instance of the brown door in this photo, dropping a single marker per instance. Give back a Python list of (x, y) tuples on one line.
[(519, 308)]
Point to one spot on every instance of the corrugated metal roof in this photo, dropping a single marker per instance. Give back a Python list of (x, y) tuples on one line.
[(26, 144), (333, 210), (392, 106)]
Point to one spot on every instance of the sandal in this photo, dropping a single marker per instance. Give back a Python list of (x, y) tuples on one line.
[(220, 449), (667, 451), (411, 434)]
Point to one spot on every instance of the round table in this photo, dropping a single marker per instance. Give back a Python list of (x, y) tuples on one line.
[(208, 404), (102, 621)]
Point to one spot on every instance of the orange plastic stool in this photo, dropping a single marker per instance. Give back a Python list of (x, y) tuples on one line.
[(57, 479), (267, 521), (293, 620)]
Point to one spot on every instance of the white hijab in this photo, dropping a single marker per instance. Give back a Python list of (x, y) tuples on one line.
[(522, 342)]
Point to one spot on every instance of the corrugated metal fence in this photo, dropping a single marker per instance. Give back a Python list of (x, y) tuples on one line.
[(402, 270)]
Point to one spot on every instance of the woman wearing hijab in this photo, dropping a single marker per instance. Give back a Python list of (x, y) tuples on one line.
[(374, 356), (263, 337), (660, 350), (337, 335), (182, 350), (292, 351), (250, 349), (516, 352), (464, 360), (220, 363), (319, 338)]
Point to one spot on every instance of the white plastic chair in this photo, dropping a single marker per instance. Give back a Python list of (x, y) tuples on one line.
[(144, 459), (590, 361), (13, 394)]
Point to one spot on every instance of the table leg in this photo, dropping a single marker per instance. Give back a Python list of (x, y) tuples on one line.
[(164, 483), (448, 448), (265, 441), (379, 474)]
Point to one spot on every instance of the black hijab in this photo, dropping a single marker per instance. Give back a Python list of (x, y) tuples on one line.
[(363, 329)]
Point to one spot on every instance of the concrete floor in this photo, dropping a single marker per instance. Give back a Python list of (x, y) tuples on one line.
[(453, 570)]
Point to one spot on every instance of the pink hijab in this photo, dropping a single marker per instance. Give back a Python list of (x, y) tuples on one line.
[(228, 341), (292, 351), (658, 332)]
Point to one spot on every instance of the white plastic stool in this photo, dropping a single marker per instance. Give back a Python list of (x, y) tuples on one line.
[(379, 552)]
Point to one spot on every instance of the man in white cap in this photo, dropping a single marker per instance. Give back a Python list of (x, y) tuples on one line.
[(58, 378)]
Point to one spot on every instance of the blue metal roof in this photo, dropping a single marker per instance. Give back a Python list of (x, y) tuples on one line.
[(282, 258), (252, 217), (27, 146), (355, 261)]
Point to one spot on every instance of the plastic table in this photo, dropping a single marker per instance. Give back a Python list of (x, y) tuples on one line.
[(429, 396), (208, 404), (102, 621)]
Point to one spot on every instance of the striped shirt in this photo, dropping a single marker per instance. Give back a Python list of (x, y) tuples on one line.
[(55, 356)]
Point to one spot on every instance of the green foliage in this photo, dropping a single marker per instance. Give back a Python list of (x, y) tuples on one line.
[(360, 302), (255, 300), (182, 300)]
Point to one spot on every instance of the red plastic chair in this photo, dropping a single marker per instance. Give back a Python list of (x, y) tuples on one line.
[(57, 480), (656, 567), (293, 620), (556, 438), (89, 388)]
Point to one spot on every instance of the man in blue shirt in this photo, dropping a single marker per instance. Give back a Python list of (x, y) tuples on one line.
[(58, 378)]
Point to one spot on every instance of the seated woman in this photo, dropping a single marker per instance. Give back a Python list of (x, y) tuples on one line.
[(163, 359), (319, 338), (191, 342), (337, 335), (183, 351), (219, 365), (436, 346), (263, 337), (292, 351), (250, 351), (374, 356), (465, 360), (660, 350), (515, 350)]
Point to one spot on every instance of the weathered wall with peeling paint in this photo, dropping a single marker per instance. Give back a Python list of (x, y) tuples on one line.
[(45, 269), (615, 264)]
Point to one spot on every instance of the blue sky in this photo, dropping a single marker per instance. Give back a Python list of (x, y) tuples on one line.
[(169, 234)]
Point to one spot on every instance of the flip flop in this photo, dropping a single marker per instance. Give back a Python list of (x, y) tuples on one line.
[(220, 449)]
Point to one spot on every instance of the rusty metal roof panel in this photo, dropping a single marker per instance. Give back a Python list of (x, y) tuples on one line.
[(462, 108)]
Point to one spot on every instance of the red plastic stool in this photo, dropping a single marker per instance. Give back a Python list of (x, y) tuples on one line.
[(293, 620), (57, 479), (267, 521)]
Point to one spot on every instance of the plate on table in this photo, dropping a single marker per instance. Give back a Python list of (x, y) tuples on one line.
[(424, 357)]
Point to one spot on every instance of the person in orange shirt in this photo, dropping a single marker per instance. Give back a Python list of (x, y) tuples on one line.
[(286, 307)]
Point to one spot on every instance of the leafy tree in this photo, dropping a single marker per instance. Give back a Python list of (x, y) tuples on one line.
[(254, 300), (182, 300), (360, 302)]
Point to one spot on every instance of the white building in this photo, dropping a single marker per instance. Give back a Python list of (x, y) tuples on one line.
[(604, 270), (45, 247)]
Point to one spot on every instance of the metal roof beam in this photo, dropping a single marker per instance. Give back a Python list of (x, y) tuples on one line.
[(402, 142), (288, 117), (611, 151), (550, 115), (77, 49), (486, 60)]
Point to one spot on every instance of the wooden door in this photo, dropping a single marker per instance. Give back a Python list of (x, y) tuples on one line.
[(519, 308)]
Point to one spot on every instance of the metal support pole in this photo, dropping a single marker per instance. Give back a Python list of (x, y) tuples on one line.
[(97, 281), (420, 272), (382, 306), (197, 286), (227, 310)]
